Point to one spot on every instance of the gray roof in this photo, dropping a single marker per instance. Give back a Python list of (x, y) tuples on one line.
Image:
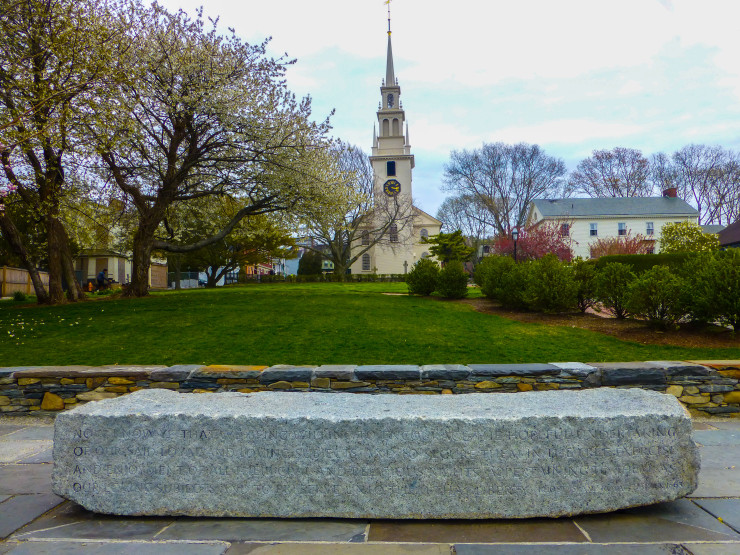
[(712, 228), (631, 206)]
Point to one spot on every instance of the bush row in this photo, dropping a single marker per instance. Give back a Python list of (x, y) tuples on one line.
[(314, 278), (425, 277), (705, 288)]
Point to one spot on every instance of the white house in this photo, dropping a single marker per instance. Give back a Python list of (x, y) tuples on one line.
[(586, 220), (392, 164)]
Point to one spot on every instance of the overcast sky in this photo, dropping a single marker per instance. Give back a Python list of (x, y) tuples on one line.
[(569, 75)]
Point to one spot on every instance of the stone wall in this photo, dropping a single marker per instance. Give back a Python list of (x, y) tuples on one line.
[(706, 388)]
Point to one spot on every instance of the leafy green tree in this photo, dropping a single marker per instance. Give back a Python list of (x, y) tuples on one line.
[(687, 237), (584, 274), (612, 285), (449, 246), (452, 282), (310, 263), (656, 295), (422, 279), (502, 279)]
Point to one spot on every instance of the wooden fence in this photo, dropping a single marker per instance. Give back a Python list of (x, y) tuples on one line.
[(18, 279)]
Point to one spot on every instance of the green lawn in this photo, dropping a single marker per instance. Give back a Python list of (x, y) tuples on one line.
[(298, 324)]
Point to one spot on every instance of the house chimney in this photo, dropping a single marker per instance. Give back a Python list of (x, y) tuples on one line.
[(670, 192)]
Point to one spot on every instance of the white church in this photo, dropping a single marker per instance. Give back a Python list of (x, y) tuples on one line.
[(393, 165)]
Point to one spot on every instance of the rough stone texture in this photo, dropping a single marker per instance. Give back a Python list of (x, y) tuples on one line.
[(388, 372), (286, 373), (345, 372), (177, 373), (444, 372), (513, 369), (630, 373), (157, 452)]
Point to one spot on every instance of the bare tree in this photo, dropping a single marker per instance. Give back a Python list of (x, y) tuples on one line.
[(505, 179), (469, 215), (362, 220), (620, 172), (707, 177)]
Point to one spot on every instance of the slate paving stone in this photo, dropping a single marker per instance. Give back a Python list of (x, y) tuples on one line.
[(338, 549), (14, 451), (22, 509), (45, 456), (713, 548), (702, 425), (717, 437), (726, 509), (70, 521), (726, 424), (31, 432), (571, 549), (484, 531), (25, 478), (677, 521), (118, 548), (718, 482), (8, 428), (241, 529)]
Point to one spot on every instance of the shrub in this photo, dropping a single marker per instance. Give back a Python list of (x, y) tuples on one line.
[(643, 262), (657, 296), (612, 287), (19, 296), (502, 279), (550, 287), (584, 274), (422, 279), (714, 290), (452, 282), (624, 245), (687, 237)]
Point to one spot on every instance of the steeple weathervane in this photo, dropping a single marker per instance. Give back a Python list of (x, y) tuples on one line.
[(388, 3), (390, 77)]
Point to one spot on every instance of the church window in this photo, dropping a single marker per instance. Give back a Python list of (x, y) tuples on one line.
[(386, 128), (396, 130), (393, 233), (365, 238), (424, 234), (390, 168), (365, 262)]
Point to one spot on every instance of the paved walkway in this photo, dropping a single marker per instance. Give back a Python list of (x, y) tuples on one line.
[(35, 521)]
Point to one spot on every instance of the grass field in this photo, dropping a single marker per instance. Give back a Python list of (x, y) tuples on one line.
[(299, 324)]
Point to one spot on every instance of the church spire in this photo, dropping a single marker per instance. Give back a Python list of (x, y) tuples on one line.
[(390, 76)]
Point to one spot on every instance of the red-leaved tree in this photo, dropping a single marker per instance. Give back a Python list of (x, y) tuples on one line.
[(536, 241), (625, 244)]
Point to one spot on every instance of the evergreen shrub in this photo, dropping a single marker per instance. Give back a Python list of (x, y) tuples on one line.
[(452, 282), (584, 274), (550, 285), (657, 296), (612, 284), (422, 279), (643, 262)]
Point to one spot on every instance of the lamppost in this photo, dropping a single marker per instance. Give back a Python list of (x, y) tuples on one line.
[(515, 236)]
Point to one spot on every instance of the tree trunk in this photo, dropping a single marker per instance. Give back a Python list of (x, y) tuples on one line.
[(211, 281), (13, 237), (141, 260), (55, 246), (176, 260)]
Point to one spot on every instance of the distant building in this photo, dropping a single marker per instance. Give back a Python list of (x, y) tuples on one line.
[(586, 220), (729, 237)]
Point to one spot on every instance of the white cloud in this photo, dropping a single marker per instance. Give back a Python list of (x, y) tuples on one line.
[(564, 131)]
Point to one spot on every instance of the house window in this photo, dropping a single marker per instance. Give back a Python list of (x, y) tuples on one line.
[(564, 230), (622, 228), (424, 234), (365, 238), (649, 230), (393, 233), (365, 262), (593, 229), (390, 168), (486, 249)]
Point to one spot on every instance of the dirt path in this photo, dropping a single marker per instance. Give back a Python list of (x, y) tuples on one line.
[(628, 330)]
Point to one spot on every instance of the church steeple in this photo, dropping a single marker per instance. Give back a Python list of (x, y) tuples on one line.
[(390, 76)]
